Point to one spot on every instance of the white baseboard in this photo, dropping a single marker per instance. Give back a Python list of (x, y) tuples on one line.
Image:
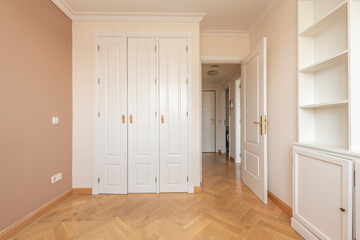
[(300, 229)]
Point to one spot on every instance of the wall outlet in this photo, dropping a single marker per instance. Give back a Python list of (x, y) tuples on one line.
[(55, 120), (56, 178)]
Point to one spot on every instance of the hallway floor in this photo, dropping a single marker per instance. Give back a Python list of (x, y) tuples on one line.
[(226, 209)]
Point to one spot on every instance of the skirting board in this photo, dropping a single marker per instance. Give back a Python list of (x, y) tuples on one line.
[(300, 229), (82, 191), (281, 204), (197, 189), (219, 152), (21, 224)]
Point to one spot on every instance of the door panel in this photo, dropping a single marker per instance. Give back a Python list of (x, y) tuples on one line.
[(173, 111), (208, 121), (142, 120), (113, 105), (322, 185), (254, 111)]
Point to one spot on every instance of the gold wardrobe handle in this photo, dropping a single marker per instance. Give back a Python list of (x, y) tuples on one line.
[(162, 119), (131, 118), (123, 118)]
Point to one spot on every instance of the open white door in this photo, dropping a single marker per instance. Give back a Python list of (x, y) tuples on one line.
[(254, 127)]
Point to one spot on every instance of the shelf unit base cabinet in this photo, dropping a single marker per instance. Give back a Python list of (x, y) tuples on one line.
[(322, 194)]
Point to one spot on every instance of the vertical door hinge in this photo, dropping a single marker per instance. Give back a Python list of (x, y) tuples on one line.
[(98, 180), (187, 81), (187, 113), (98, 48), (156, 179), (187, 179), (155, 81), (155, 48), (187, 48), (98, 113), (155, 114), (99, 81)]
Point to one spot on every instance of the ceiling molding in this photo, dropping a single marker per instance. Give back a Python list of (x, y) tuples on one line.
[(224, 33), (265, 13), (221, 59), (128, 16)]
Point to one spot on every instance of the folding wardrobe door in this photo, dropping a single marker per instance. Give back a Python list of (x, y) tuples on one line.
[(173, 114), (142, 130), (112, 85)]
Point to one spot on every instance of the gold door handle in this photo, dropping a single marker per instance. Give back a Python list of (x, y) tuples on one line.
[(261, 125), (123, 118), (162, 119), (131, 118)]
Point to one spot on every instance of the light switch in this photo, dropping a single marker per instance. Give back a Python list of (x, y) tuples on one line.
[(55, 120)]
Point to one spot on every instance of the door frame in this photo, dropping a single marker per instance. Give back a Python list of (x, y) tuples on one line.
[(215, 110), (96, 158)]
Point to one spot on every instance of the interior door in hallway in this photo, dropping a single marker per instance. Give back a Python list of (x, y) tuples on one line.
[(113, 110), (254, 127), (208, 121), (173, 111), (142, 119)]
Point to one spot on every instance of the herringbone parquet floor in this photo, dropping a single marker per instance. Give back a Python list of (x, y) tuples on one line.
[(225, 209)]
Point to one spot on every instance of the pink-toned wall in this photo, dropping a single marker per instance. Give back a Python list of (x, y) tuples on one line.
[(280, 28), (35, 84)]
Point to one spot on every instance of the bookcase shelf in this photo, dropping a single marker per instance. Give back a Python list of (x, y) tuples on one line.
[(326, 63), (326, 21)]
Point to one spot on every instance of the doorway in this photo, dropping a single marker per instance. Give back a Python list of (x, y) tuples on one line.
[(208, 121)]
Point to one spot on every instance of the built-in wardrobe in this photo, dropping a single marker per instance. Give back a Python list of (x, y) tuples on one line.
[(141, 114), (326, 203)]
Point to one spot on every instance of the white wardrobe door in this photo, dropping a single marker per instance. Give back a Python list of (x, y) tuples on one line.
[(173, 111), (113, 108), (142, 138)]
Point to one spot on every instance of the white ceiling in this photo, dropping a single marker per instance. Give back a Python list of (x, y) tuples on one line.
[(224, 72), (238, 15)]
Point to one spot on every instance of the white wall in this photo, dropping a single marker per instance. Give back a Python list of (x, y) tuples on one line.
[(280, 27), (224, 46), (83, 91)]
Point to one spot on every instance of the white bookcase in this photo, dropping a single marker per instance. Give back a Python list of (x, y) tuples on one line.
[(329, 76), (328, 119)]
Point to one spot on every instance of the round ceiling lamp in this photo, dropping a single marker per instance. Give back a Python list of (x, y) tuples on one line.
[(212, 72)]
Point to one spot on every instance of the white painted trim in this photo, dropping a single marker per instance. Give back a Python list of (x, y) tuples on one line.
[(128, 16), (265, 13), (64, 7), (190, 164), (96, 162), (96, 141), (142, 34), (224, 33), (304, 232), (221, 59)]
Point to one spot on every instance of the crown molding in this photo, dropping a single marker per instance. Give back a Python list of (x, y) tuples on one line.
[(221, 59), (127, 16), (224, 33), (265, 13)]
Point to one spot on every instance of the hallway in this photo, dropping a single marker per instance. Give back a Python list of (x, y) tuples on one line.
[(225, 209)]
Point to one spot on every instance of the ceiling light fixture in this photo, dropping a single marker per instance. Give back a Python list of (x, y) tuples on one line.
[(212, 72)]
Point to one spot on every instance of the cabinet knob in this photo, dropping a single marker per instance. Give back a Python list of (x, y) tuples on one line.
[(343, 209)]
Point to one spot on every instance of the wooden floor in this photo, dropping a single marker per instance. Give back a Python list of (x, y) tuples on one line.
[(226, 209)]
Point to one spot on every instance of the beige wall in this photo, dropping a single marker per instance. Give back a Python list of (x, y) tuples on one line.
[(224, 46), (83, 91), (280, 27), (35, 84)]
